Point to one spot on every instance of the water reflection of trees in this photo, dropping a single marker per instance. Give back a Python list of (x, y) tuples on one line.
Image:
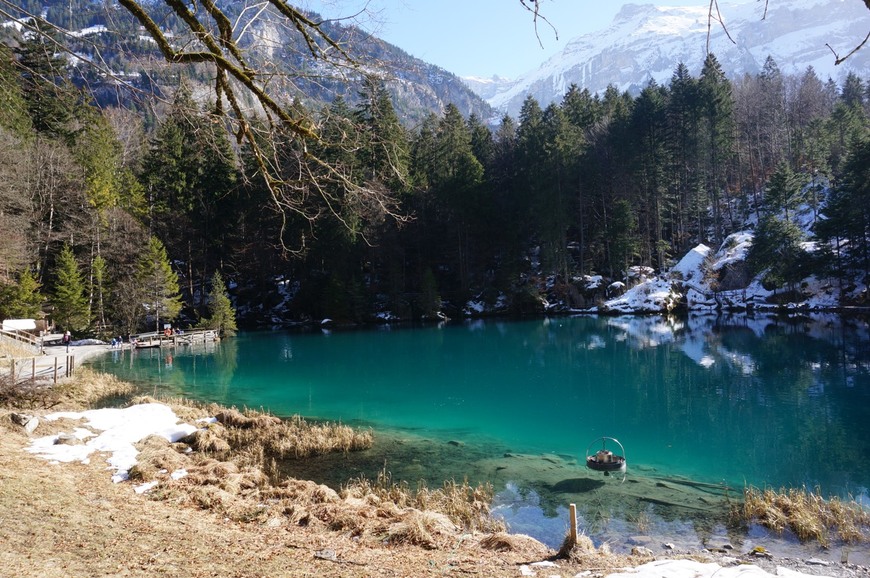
[(187, 369), (789, 391)]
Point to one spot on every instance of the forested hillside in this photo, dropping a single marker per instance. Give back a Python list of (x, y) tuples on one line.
[(115, 220)]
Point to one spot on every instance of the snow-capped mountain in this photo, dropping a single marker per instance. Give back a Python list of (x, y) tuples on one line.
[(647, 42)]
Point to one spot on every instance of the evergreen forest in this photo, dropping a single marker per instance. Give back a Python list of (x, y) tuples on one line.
[(117, 219)]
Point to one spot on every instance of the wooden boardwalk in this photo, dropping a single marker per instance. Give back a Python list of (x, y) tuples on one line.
[(57, 361), (174, 339)]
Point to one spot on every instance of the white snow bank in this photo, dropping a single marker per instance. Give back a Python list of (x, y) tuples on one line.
[(689, 267), (692, 569), (734, 248), (654, 296), (119, 430)]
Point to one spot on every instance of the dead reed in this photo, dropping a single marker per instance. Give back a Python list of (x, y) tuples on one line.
[(293, 438), (86, 389), (807, 514), (465, 505), (89, 387)]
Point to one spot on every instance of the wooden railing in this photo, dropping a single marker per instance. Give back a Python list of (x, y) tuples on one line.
[(38, 368), (24, 339), (162, 339)]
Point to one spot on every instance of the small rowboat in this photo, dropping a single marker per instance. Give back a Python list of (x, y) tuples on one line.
[(605, 460)]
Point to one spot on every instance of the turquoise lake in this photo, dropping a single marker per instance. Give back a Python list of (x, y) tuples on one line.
[(725, 401)]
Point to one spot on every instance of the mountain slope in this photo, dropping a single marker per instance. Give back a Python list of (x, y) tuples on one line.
[(647, 42), (107, 34)]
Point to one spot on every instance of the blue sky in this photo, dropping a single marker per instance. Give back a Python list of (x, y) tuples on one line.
[(478, 37)]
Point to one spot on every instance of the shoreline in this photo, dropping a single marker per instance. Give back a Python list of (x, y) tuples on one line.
[(414, 557), (494, 471)]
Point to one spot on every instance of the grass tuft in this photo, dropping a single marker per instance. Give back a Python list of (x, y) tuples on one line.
[(465, 505), (807, 514)]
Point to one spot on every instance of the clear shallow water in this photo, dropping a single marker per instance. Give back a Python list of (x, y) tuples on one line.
[(734, 400)]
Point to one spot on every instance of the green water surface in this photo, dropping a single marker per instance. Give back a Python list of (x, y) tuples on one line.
[(741, 400)]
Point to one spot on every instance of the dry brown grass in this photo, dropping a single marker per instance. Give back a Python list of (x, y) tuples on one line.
[(12, 350), (210, 439), (88, 388), (584, 554), (156, 456), (85, 389), (519, 543), (807, 514), (465, 505), (421, 528), (257, 438), (298, 438)]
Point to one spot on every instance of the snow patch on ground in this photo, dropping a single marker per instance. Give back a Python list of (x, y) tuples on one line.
[(112, 430)]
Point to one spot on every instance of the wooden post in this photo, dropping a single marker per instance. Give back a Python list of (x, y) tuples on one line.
[(33, 370), (72, 365), (572, 509), (55, 369), (12, 371)]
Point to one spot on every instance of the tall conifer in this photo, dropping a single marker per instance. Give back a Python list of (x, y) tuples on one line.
[(159, 283), (70, 299)]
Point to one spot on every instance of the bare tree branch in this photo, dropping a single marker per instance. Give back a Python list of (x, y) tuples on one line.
[(841, 59), (534, 6), (717, 18)]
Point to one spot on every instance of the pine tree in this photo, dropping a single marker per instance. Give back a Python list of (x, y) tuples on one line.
[(24, 299), (583, 111), (97, 152), (717, 121), (784, 191), (777, 252), (99, 276), (622, 237), (648, 123), (14, 115), (847, 211), (387, 139), (223, 316), (531, 163), (553, 207), (51, 100), (481, 140), (70, 299), (159, 282), (852, 94), (683, 153)]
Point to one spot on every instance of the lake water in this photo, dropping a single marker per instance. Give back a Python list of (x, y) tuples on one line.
[(705, 403)]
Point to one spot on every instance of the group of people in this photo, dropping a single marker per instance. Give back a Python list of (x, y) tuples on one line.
[(117, 342)]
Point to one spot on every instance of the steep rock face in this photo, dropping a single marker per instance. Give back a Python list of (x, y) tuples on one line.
[(276, 50), (647, 42)]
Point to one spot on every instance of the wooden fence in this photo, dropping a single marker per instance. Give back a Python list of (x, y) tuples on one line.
[(23, 339), (173, 339), (38, 368)]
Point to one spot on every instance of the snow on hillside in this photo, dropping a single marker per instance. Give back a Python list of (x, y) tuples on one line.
[(693, 277), (647, 42)]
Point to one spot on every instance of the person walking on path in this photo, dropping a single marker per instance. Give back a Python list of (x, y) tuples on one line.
[(66, 339)]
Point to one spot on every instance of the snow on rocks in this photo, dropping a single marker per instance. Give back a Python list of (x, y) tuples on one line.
[(653, 296)]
